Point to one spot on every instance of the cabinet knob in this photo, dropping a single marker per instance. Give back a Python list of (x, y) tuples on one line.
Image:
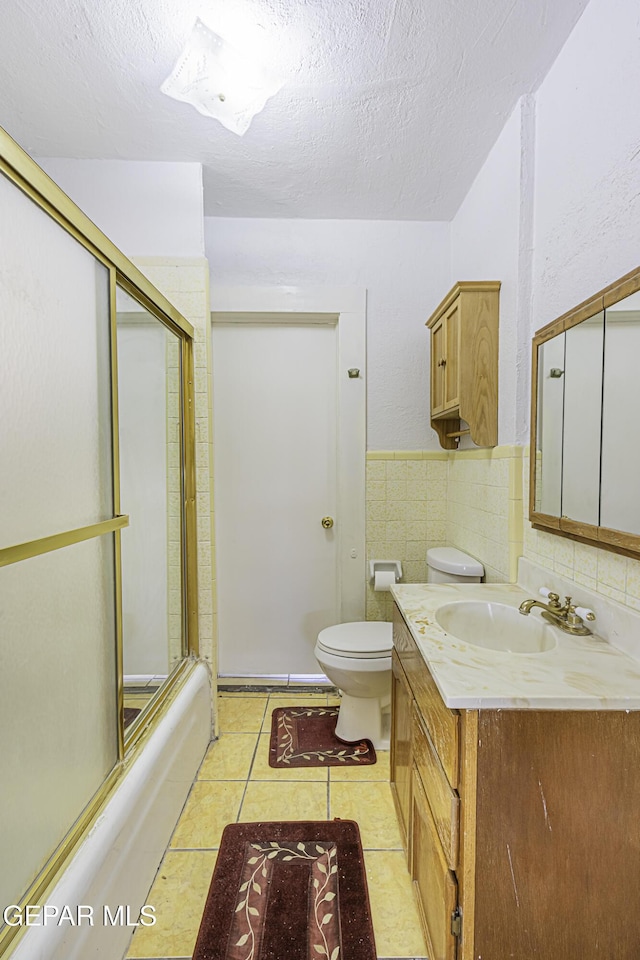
[(442, 362)]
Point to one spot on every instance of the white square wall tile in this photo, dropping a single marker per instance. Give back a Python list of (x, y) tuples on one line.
[(376, 470), (396, 469), (422, 510), (376, 490), (415, 549), (437, 469), (377, 510), (416, 489), (376, 530), (398, 509), (612, 572), (396, 490), (416, 470), (563, 552), (585, 561), (633, 579)]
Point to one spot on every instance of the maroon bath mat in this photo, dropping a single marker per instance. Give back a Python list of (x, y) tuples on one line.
[(294, 890), (305, 737)]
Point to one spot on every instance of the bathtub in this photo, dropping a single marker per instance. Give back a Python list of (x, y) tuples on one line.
[(117, 861)]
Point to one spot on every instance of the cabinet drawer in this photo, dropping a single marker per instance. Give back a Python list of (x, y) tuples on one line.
[(443, 724), (403, 642), (443, 801), (435, 885)]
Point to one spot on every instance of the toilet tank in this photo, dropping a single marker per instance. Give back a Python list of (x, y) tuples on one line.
[(450, 565)]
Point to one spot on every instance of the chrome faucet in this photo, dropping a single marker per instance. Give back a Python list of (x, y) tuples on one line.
[(564, 615)]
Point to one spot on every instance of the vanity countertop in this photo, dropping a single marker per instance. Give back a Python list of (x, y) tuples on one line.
[(579, 673)]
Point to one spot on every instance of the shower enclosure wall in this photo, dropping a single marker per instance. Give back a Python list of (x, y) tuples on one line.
[(97, 526)]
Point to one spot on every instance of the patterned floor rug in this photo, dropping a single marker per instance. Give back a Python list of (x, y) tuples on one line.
[(294, 890), (305, 737)]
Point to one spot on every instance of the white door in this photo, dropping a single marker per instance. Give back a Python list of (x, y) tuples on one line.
[(275, 456)]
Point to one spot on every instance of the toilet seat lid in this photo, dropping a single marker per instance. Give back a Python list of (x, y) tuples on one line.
[(360, 639)]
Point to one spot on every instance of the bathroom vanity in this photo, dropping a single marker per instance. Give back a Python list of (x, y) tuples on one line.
[(516, 779)]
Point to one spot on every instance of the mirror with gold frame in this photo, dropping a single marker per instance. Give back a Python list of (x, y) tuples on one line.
[(585, 421)]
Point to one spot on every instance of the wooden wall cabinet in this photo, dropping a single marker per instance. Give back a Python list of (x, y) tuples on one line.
[(523, 837), (464, 364)]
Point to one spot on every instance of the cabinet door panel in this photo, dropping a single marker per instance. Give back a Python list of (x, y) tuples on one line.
[(438, 352), (401, 707), (435, 885), (452, 357)]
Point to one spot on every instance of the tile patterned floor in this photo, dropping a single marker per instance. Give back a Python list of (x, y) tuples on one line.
[(235, 783)]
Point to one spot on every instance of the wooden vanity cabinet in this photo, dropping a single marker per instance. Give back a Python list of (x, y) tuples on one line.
[(434, 883), (528, 845), (400, 747), (464, 364)]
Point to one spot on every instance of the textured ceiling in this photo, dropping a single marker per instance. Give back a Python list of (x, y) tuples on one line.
[(389, 109)]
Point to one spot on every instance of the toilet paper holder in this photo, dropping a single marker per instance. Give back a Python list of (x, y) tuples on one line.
[(378, 566)]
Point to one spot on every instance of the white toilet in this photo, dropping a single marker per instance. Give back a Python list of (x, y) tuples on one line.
[(356, 657), (450, 565)]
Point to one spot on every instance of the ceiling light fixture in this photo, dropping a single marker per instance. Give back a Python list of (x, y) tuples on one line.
[(219, 81)]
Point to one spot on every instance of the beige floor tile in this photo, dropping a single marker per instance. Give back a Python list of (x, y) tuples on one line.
[(301, 700), (210, 807), (178, 895), (371, 804), (229, 758), (241, 714), (284, 801), (396, 923), (372, 771), (262, 771)]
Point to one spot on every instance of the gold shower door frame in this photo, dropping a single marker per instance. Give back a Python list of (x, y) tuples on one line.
[(27, 176)]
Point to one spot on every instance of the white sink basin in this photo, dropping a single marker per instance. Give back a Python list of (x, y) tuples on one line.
[(496, 626)]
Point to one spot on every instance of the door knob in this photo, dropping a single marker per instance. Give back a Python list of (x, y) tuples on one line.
[(327, 522)]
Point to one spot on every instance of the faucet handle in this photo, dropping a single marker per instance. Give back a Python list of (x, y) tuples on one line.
[(585, 613), (553, 598)]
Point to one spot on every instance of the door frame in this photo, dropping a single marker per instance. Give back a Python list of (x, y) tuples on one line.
[(347, 308)]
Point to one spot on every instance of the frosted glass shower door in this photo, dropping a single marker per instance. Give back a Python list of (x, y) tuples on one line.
[(55, 388), (149, 417), (58, 710), (58, 649)]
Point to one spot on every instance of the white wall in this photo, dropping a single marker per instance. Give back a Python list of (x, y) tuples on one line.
[(405, 269), (587, 218), (151, 209), (587, 198), (491, 240), (555, 214)]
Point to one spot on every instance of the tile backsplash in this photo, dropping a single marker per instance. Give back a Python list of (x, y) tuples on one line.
[(406, 494), (484, 508), (469, 499), (478, 501), (607, 573)]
